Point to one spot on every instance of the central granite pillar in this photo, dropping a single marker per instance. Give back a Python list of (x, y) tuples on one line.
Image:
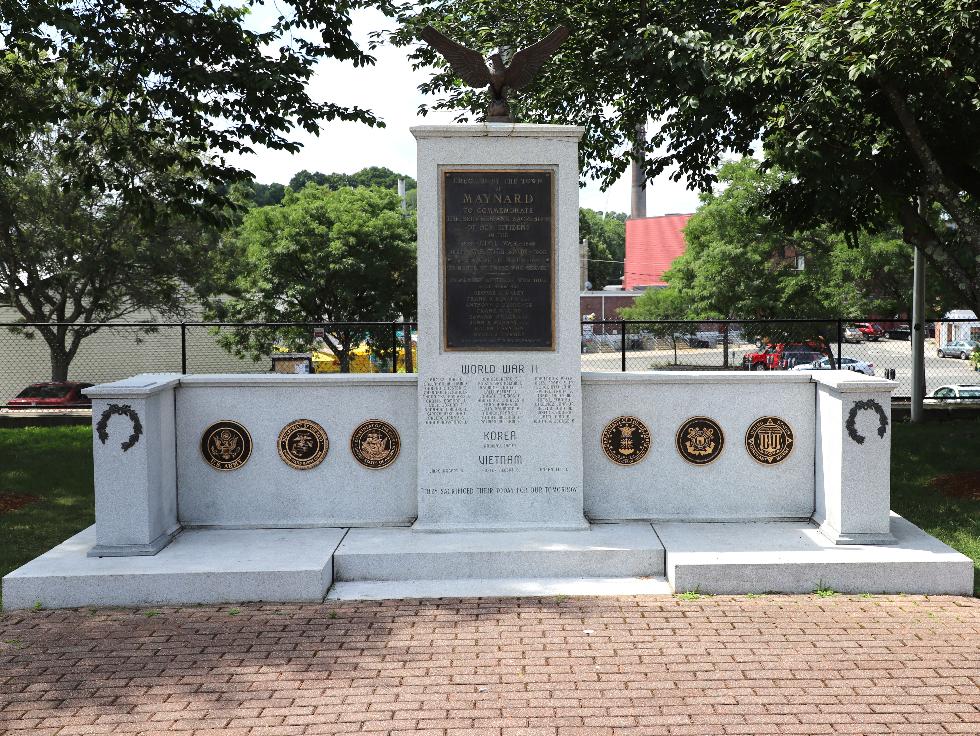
[(500, 392)]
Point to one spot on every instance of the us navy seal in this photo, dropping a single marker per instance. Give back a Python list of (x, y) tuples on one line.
[(375, 444)]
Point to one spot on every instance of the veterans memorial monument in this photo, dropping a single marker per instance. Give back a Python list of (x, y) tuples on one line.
[(501, 468)]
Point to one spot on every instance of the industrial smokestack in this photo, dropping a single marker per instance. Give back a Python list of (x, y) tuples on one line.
[(638, 204)]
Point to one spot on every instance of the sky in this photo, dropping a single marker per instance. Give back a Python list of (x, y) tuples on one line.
[(390, 90)]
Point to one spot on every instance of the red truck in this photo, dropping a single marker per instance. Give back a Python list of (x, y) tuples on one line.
[(783, 355), (872, 331)]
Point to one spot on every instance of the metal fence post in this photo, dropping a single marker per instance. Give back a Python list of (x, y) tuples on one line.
[(394, 346), (622, 343), (183, 347), (840, 341)]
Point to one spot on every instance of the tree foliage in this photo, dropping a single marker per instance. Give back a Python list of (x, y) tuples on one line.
[(345, 255), (606, 233), (873, 104), (83, 255), (741, 264), (214, 79)]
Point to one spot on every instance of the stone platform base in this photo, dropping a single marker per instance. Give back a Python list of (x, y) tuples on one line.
[(796, 558), (625, 558)]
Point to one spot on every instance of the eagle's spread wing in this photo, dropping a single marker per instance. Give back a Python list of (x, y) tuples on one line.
[(526, 62), (468, 64)]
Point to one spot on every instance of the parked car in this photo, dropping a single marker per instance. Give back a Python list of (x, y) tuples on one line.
[(900, 333), (871, 330), (52, 395), (846, 364), (957, 349), (714, 338), (783, 355), (959, 392), (853, 334)]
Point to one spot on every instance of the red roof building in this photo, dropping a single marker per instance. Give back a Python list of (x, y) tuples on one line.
[(652, 244)]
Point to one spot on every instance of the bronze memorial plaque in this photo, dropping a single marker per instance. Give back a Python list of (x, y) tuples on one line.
[(498, 260), (375, 444), (625, 440), (769, 440), (226, 445), (700, 440), (303, 444)]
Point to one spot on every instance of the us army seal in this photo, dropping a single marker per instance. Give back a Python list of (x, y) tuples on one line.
[(226, 445), (625, 440), (302, 444), (769, 440), (700, 440), (375, 444)]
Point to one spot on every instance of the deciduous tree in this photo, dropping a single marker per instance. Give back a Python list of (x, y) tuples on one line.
[(345, 255), (216, 79), (82, 254), (873, 104)]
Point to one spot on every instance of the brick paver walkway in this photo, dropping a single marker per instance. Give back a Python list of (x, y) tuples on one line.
[(502, 667)]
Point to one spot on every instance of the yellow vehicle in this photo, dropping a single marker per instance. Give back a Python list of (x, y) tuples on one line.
[(361, 360)]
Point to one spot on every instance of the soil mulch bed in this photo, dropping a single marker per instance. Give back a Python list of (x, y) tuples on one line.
[(955, 485), (13, 501)]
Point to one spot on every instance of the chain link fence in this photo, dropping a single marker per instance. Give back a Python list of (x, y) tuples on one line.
[(872, 347), (116, 351)]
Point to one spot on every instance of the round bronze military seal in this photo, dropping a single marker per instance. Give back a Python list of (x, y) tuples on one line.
[(375, 444), (302, 444), (625, 440), (226, 445), (769, 440), (700, 440)]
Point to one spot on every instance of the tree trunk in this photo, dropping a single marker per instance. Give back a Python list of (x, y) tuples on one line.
[(409, 361), (60, 360)]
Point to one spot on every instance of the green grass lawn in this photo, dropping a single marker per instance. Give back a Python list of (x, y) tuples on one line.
[(919, 454), (55, 465)]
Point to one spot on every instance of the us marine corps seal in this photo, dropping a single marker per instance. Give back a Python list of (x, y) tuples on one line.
[(226, 445), (700, 440), (769, 440), (375, 444), (625, 440), (302, 444)]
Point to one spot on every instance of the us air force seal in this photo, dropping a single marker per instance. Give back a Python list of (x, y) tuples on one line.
[(769, 440), (302, 444), (375, 444), (700, 440), (625, 440), (226, 445)]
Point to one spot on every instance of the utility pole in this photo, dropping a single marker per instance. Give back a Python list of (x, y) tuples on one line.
[(918, 327), (583, 254), (638, 205)]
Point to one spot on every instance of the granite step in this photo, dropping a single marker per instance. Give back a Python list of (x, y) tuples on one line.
[(794, 557), (497, 588), (614, 550)]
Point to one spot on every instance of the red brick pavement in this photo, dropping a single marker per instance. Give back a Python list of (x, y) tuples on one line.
[(500, 667)]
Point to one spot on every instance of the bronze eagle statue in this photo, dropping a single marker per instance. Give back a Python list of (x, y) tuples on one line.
[(473, 69)]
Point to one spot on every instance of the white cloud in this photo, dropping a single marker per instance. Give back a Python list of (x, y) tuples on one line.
[(390, 90)]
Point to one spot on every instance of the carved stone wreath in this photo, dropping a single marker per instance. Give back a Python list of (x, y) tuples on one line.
[(124, 410), (869, 405)]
